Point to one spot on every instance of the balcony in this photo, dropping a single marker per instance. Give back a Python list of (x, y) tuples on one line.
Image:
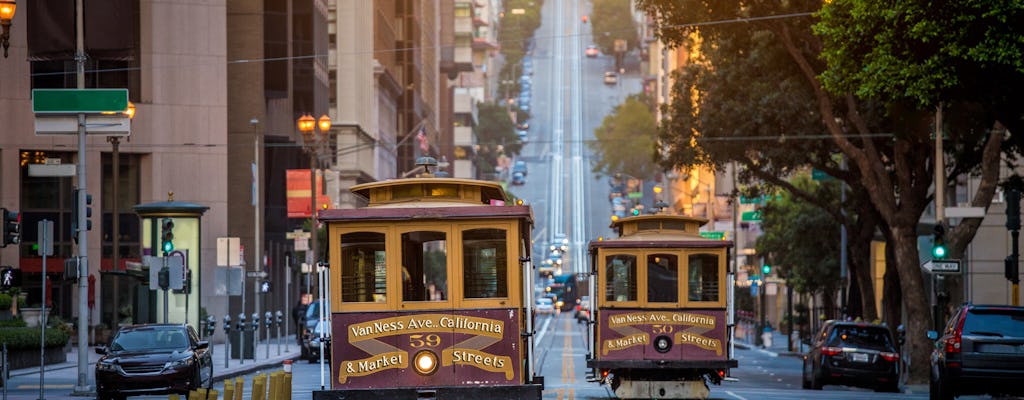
[(463, 136)]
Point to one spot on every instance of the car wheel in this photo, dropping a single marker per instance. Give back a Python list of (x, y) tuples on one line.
[(209, 383), (816, 381), (109, 396), (889, 388)]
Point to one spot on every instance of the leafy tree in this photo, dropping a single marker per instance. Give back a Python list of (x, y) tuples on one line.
[(626, 140), (495, 135), (887, 139), (799, 239), (611, 20), (515, 32)]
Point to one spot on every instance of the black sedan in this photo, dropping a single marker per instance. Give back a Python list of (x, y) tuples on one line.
[(153, 359), (311, 342), (853, 354)]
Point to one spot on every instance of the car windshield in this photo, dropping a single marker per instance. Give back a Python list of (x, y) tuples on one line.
[(861, 337), (171, 338), (995, 322), (544, 302)]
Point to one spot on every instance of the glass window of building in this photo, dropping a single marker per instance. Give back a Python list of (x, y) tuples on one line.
[(484, 254), (621, 273), (703, 277), (662, 278), (424, 266), (363, 268)]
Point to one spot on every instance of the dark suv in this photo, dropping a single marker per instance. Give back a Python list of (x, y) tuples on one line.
[(853, 354), (153, 359), (981, 351)]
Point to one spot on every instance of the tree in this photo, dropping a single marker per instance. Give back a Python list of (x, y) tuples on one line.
[(887, 140), (611, 20), (495, 135), (799, 240), (626, 140)]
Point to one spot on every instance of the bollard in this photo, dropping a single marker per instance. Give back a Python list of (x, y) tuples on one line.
[(287, 386), (198, 394), (239, 388), (173, 396), (259, 387), (287, 364), (212, 394), (229, 390), (274, 386)]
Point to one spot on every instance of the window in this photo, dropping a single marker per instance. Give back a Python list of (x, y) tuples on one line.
[(621, 273), (703, 277), (484, 254), (362, 268), (424, 266), (662, 278)]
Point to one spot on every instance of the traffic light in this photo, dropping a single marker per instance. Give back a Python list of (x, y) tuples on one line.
[(767, 269), (10, 277), (939, 242), (11, 227), (636, 211), (74, 213), (167, 235), (1010, 270), (265, 286)]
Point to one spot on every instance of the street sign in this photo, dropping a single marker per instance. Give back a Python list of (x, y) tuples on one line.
[(228, 251), (256, 274), (74, 101), (635, 195), (297, 234), (52, 170), (301, 244), (716, 235), (751, 216), (104, 125), (943, 266)]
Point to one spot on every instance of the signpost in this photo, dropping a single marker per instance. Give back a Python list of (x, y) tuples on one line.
[(950, 267)]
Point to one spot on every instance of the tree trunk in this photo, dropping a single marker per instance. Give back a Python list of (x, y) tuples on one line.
[(892, 296), (914, 299)]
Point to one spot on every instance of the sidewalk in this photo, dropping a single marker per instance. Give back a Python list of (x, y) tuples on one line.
[(745, 340), (68, 370)]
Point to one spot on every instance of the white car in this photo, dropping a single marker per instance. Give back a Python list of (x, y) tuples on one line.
[(544, 306)]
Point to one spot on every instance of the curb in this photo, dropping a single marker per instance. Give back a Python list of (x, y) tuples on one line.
[(244, 370)]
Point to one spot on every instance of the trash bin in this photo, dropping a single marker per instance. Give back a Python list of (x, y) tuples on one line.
[(249, 344)]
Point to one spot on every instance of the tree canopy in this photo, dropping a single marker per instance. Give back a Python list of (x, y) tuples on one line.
[(626, 140), (613, 19)]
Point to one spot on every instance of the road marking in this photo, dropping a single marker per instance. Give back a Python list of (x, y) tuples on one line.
[(36, 386), (568, 366), (735, 395), (543, 330)]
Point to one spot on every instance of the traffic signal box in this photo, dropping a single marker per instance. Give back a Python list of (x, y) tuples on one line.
[(167, 236), (939, 242), (74, 213), (11, 227)]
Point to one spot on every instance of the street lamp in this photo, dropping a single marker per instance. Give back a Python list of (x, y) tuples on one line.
[(115, 215), (7, 8), (313, 143)]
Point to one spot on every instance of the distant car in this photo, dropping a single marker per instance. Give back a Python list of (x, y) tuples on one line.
[(153, 359), (611, 78), (591, 51), (981, 351), (525, 107), (519, 166), (523, 136), (311, 341), (523, 125), (518, 178), (544, 306), (853, 354), (583, 309)]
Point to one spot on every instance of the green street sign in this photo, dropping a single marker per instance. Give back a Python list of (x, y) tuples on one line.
[(74, 101), (714, 235), (751, 216), (750, 200), (635, 195)]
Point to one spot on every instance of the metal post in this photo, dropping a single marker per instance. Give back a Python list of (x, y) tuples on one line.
[(789, 321), (267, 321), (279, 315), (3, 370), (322, 309), (82, 385), (1015, 284), (166, 270), (312, 216), (45, 226), (258, 255), (115, 141), (227, 340)]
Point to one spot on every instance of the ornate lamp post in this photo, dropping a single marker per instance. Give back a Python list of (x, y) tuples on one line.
[(314, 144), (7, 8)]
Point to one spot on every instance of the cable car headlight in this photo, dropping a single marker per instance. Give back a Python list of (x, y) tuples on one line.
[(425, 362), (662, 344)]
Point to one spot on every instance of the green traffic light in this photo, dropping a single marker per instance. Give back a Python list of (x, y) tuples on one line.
[(168, 247), (939, 251), (767, 269)]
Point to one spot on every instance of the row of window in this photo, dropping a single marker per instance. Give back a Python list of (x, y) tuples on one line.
[(424, 266), (702, 273)]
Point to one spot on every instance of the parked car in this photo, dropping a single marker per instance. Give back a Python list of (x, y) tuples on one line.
[(611, 78), (311, 341), (583, 309), (520, 166), (981, 351), (153, 359), (591, 51), (523, 136), (518, 178), (853, 354), (544, 306)]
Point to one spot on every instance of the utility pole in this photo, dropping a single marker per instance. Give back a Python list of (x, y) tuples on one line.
[(82, 386)]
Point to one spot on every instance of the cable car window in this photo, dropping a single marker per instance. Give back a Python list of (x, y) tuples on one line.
[(484, 269), (703, 277), (621, 273), (363, 268), (662, 278), (424, 266)]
